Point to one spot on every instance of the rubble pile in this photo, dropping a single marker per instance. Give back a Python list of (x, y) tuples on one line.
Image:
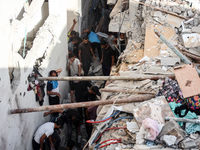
[(169, 120)]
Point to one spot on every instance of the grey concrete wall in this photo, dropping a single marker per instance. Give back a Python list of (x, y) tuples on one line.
[(16, 131)]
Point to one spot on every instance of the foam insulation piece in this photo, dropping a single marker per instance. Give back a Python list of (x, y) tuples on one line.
[(191, 40)]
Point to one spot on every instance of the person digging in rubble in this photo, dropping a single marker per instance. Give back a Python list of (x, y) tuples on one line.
[(107, 60), (94, 40), (71, 117), (53, 88), (71, 34), (85, 51), (74, 66), (43, 132)]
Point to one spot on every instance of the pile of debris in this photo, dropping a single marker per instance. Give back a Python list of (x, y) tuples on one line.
[(163, 39)]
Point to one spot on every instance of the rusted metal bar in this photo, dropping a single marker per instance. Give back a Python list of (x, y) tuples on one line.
[(174, 49), (197, 121), (136, 98), (128, 91), (161, 10), (136, 77)]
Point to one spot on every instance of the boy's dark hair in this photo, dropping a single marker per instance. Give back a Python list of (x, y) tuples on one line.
[(71, 55), (60, 122), (53, 71), (85, 37), (103, 42), (75, 39), (70, 144), (73, 33)]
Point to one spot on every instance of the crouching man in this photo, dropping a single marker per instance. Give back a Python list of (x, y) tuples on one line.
[(43, 132)]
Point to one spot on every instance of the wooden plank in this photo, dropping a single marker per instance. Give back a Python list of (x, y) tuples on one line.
[(188, 80)]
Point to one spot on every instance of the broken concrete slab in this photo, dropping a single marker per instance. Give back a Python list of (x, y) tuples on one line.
[(173, 128), (191, 40), (188, 143), (196, 29), (133, 7), (170, 61), (174, 21)]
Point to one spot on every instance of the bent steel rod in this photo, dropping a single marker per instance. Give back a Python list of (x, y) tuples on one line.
[(102, 78), (136, 98)]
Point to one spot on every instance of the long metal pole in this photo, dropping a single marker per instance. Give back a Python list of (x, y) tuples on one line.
[(136, 98), (136, 77), (174, 49), (183, 120)]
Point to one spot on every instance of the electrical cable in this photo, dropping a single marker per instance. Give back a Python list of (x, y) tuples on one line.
[(103, 120), (100, 144), (107, 130)]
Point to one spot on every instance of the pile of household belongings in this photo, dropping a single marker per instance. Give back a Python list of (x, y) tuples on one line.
[(165, 115)]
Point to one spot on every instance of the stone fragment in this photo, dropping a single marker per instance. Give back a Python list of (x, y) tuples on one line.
[(188, 143), (173, 20), (191, 40), (176, 10), (196, 29), (173, 128), (169, 139), (190, 13), (170, 61)]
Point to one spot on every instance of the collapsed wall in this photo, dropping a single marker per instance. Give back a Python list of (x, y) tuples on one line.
[(49, 45)]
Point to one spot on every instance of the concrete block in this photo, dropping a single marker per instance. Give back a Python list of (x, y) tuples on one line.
[(174, 21), (188, 143), (170, 61), (190, 13), (169, 139), (173, 128), (133, 7), (191, 40), (176, 10), (196, 29)]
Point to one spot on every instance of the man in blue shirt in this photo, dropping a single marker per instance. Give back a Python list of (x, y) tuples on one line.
[(94, 40)]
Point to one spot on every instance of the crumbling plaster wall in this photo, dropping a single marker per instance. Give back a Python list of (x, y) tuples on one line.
[(16, 131)]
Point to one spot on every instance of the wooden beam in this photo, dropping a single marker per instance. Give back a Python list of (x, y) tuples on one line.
[(171, 13), (127, 91), (136, 98), (136, 77)]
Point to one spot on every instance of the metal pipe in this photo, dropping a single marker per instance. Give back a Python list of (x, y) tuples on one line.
[(197, 121), (136, 77), (174, 49), (136, 98)]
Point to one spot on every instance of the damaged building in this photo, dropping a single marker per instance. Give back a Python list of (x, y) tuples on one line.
[(149, 101)]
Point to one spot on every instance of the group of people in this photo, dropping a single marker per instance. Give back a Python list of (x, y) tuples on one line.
[(81, 53)]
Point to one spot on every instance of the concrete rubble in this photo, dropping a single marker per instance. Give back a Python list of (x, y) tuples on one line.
[(147, 54)]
